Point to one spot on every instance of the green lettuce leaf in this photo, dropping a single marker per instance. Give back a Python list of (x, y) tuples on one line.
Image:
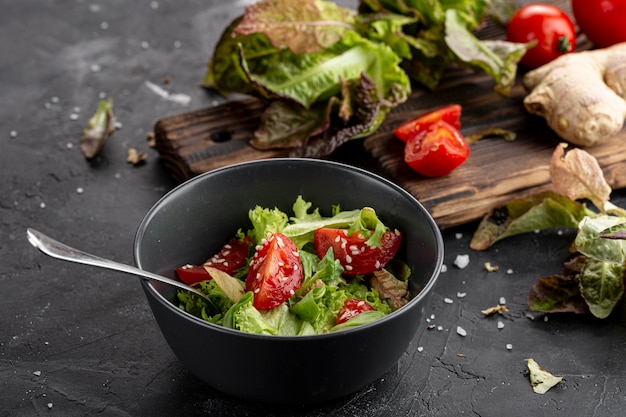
[(526, 214), (589, 243), (602, 286), (265, 220)]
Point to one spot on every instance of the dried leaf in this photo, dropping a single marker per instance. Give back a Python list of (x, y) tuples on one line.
[(577, 175), (507, 135), (303, 26), (499, 309), (540, 379), (230, 285), (98, 129), (134, 157)]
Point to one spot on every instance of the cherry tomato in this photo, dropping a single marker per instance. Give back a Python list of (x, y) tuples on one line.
[(354, 255), (275, 272), (230, 258), (602, 21), (450, 113), (546, 24), (436, 151), (352, 307)]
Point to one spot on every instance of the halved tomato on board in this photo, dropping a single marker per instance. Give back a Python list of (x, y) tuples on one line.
[(436, 151), (275, 272), (230, 258), (353, 253), (412, 127)]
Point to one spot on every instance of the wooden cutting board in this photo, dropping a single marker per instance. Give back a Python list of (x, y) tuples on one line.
[(497, 170)]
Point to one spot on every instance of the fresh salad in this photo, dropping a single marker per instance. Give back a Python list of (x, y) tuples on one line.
[(300, 275)]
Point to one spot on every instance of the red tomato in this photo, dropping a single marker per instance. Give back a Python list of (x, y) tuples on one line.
[(230, 258), (550, 26), (275, 272), (353, 253), (352, 307), (436, 151), (450, 113), (602, 21)]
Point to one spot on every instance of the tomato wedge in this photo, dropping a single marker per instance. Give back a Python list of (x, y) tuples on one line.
[(436, 151), (230, 258), (409, 129), (353, 253), (275, 272), (352, 307)]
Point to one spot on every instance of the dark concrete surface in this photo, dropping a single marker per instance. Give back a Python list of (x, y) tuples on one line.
[(79, 341)]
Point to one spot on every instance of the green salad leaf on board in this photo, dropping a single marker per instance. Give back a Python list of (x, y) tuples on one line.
[(331, 74)]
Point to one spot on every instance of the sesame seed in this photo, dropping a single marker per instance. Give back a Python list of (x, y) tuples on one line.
[(337, 238), (360, 303), (296, 253), (226, 253), (353, 248), (348, 267), (348, 259), (280, 263), (377, 265), (256, 290), (292, 292), (281, 244), (227, 246)]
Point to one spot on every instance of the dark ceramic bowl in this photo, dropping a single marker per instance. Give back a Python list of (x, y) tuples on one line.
[(194, 220)]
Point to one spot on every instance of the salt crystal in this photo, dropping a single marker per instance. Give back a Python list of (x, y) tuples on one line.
[(104, 25), (37, 373), (444, 268), (49, 405), (500, 324), (461, 294), (80, 190), (95, 68), (55, 100), (42, 205), (440, 328), (502, 300), (420, 349), (73, 116), (509, 346), (13, 133), (459, 235), (461, 261), (461, 331), (509, 271), (448, 300), (432, 317), (145, 45)]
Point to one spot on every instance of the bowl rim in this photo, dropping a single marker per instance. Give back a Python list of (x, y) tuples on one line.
[(424, 292)]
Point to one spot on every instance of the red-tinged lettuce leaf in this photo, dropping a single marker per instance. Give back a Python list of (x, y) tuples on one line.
[(527, 214), (303, 26), (614, 232), (368, 115), (389, 287), (287, 125), (98, 129), (577, 175), (560, 293), (602, 286), (556, 294)]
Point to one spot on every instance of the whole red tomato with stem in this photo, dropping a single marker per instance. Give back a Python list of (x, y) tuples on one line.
[(547, 25), (602, 21)]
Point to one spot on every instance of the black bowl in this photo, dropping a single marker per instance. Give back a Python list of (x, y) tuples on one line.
[(195, 219)]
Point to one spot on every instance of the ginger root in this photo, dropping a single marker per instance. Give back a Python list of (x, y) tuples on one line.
[(582, 95)]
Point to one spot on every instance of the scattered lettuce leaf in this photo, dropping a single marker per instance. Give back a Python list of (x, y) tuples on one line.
[(527, 214), (577, 175), (540, 379), (99, 128), (589, 243), (602, 286)]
